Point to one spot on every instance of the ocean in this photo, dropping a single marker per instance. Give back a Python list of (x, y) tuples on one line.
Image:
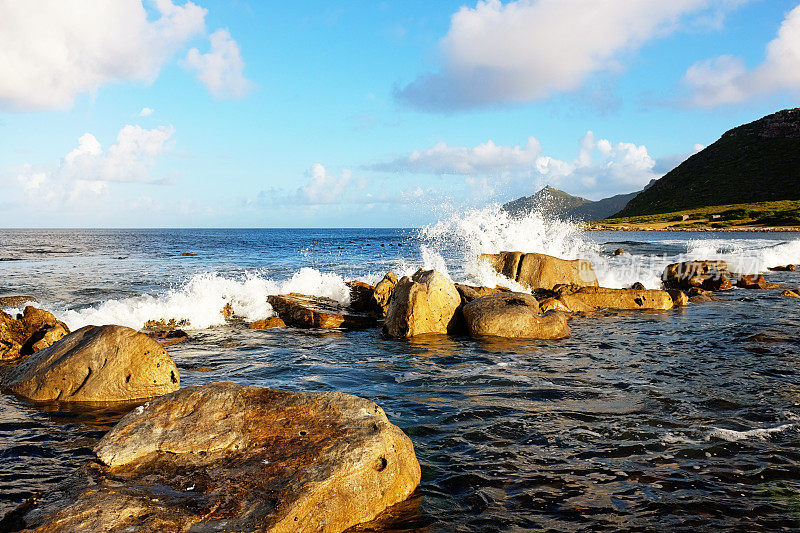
[(670, 420)]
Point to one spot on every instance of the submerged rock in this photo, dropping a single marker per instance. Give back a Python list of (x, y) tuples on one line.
[(167, 337), (95, 364), (427, 302), (29, 332), (302, 311), (383, 293), (227, 457), (268, 323), (540, 271), (513, 315), (578, 299)]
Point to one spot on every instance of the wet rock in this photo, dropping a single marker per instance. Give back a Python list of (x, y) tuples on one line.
[(361, 296), (164, 324), (383, 293), (15, 300), (513, 315), (619, 251), (638, 286), (679, 298), (167, 337), (694, 274), (227, 457), (29, 332), (471, 292), (590, 298), (791, 294), (227, 312), (717, 284), (540, 271), (553, 304), (95, 364), (427, 302), (303, 311), (188, 254), (785, 268), (754, 281), (268, 323), (698, 295)]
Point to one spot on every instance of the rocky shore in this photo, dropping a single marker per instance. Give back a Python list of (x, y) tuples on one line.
[(224, 456)]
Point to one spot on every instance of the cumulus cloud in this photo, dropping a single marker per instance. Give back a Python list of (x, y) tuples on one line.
[(726, 80), (483, 158), (221, 69), (87, 170), (146, 112), (531, 49), (600, 166), (323, 187), (54, 50)]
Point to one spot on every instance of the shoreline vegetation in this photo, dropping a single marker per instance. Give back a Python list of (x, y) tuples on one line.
[(778, 216)]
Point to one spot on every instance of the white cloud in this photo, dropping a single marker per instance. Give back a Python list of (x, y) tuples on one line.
[(531, 49), (55, 50), (220, 70), (87, 170), (146, 112), (481, 159), (323, 187), (726, 79)]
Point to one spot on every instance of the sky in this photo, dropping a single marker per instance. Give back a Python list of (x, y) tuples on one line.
[(165, 113)]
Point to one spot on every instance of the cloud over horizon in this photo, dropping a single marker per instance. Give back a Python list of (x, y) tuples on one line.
[(221, 69), (499, 53), (725, 80)]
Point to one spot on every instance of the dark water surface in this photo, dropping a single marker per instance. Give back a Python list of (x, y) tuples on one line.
[(639, 421)]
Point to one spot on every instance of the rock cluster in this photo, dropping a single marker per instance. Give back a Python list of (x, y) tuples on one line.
[(29, 332)]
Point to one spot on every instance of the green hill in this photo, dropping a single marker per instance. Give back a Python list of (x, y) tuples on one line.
[(757, 162)]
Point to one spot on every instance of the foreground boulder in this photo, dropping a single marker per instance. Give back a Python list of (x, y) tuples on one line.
[(29, 332), (427, 302), (582, 299), (513, 315), (95, 364), (227, 457), (710, 275), (303, 311), (540, 271)]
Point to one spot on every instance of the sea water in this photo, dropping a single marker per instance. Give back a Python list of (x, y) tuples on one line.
[(637, 420)]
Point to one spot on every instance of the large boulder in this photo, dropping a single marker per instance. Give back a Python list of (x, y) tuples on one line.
[(540, 271), (228, 457), (303, 311), (95, 364), (513, 315), (579, 299), (29, 332), (427, 302), (711, 275), (383, 293)]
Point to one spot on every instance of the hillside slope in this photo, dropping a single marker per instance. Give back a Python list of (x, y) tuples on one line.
[(756, 162), (549, 201)]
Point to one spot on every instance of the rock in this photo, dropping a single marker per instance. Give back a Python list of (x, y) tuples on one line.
[(791, 294), (697, 295), (31, 331), (785, 268), (717, 284), (693, 274), (679, 298), (383, 293), (267, 323), (752, 282), (638, 286), (427, 302), (95, 364), (188, 254), (361, 296), (471, 292), (227, 312), (167, 337), (16, 300), (619, 251), (227, 457), (513, 315), (164, 324), (302, 311), (590, 298), (553, 304), (540, 271)]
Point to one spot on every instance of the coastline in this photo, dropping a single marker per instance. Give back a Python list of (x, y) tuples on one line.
[(730, 229)]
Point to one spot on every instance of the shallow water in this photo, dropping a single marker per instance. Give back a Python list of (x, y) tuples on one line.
[(663, 420)]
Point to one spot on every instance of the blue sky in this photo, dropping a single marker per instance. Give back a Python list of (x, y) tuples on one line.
[(392, 113)]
